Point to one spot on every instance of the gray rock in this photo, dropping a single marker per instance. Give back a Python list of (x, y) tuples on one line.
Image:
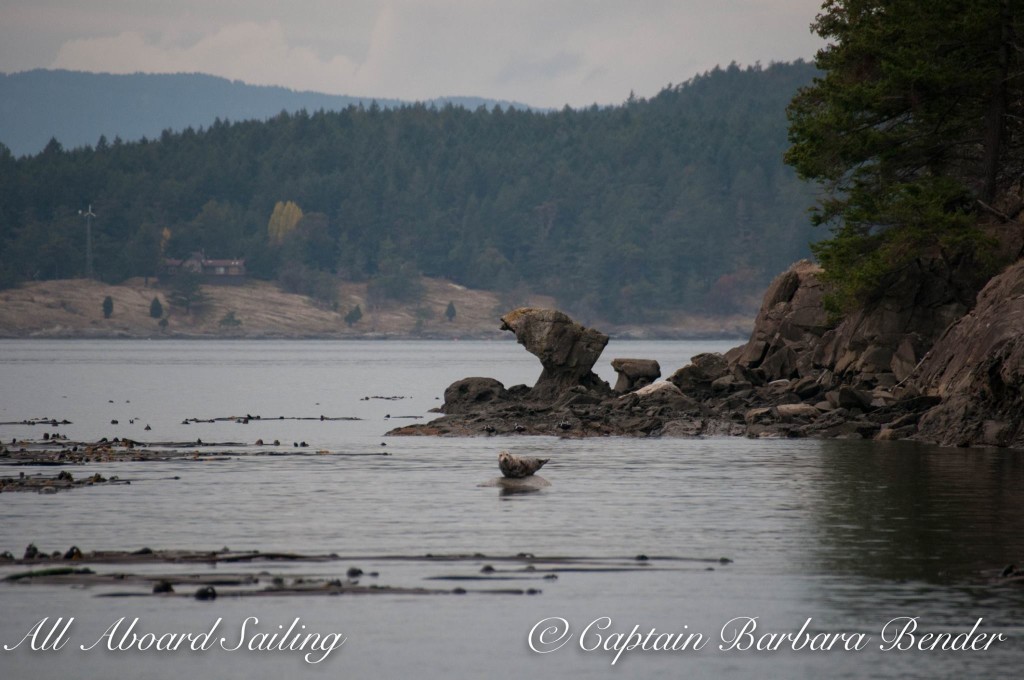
[(566, 349), (471, 394), (635, 373), (695, 378), (977, 369)]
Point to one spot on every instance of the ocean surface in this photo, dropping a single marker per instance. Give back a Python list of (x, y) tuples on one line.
[(872, 546)]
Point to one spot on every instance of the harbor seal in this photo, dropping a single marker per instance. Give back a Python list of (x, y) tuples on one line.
[(516, 467)]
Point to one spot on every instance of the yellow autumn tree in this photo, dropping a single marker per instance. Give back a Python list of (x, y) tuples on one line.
[(283, 220)]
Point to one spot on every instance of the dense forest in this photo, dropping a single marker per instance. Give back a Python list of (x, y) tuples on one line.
[(676, 202)]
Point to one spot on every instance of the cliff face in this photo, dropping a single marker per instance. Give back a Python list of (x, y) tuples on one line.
[(977, 368), (915, 363)]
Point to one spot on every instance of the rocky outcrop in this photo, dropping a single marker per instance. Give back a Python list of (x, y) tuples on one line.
[(977, 369), (795, 377), (635, 373), (566, 349), (568, 399), (788, 327)]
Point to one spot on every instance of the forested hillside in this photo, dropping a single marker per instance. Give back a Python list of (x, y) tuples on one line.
[(680, 201)]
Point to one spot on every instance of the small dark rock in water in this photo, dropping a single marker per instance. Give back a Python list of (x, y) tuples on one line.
[(113, 422), (487, 569), (259, 442), (147, 428), (303, 444), (206, 593), (458, 591), (73, 553), (31, 552), (65, 476), (1009, 571), (533, 591), (166, 587), (143, 551), (354, 572), (642, 558)]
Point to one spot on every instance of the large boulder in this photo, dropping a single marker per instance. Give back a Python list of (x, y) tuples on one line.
[(566, 349), (695, 379), (635, 373), (977, 368), (788, 327), (469, 395)]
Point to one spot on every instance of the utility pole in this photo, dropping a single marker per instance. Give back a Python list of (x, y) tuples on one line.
[(89, 214)]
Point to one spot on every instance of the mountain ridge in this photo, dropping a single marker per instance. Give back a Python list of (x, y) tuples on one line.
[(78, 107)]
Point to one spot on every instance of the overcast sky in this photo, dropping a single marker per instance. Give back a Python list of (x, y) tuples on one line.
[(539, 52)]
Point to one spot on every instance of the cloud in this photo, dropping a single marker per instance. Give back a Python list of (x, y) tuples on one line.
[(542, 52), (252, 52)]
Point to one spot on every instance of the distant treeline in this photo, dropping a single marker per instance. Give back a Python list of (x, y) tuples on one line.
[(677, 202)]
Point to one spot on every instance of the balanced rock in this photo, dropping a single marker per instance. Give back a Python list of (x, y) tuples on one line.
[(567, 350), (635, 373)]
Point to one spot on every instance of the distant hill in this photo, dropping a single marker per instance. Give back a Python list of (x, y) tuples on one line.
[(679, 203), (77, 107)]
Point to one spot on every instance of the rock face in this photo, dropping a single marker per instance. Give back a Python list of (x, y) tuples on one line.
[(566, 349), (977, 369), (635, 373), (788, 327), (891, 335)]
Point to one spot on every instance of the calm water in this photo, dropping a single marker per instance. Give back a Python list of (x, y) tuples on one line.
[(849, 534)]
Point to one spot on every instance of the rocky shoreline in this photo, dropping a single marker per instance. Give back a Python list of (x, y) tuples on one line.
[(920, 364)]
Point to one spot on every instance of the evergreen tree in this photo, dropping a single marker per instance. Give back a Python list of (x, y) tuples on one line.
[(108, 307), (914, 129), (156, 310), (449, 313), (353, 317), (187, 292)]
